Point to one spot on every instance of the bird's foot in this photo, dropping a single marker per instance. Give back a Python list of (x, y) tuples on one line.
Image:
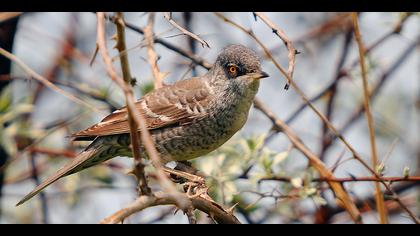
[(181, 177), (185, 172)]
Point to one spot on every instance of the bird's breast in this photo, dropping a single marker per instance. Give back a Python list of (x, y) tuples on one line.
[(204, 135)]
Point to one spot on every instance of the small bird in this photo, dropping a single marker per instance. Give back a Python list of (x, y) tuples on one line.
[(186, 120)]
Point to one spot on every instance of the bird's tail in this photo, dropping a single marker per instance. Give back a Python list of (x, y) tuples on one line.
[(91, 156)]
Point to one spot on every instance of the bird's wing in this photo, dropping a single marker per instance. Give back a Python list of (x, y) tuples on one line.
[(179, 104)]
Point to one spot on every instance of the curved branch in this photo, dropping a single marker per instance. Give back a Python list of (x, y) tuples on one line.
[(216, 212)]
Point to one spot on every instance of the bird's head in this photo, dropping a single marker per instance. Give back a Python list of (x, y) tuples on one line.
[(239, 63)]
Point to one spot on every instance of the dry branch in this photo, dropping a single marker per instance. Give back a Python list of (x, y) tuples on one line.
[(351, 179), (138, 117), (194, 58), (134, 136), (280, 33), (168, 17), (152, 57), (380, 204), (213, 210)]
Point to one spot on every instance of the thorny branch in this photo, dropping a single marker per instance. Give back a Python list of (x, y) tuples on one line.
[(168, 17), (103, 50), (152, 57), (213, 210), (279, 32), (135, 141)]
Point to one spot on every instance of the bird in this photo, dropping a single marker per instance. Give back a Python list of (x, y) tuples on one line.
[(186, 120)]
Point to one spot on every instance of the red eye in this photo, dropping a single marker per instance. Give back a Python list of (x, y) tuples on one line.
[(232, 70)]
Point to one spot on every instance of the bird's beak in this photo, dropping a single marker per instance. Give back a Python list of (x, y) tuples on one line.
[(260, 75)]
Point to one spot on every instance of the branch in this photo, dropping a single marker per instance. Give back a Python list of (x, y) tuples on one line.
[(5, 16), (134, 137), (380, 204), (213, 210), (152, 57), (350, 179), (280, 33), (168, 17), (194, 58)]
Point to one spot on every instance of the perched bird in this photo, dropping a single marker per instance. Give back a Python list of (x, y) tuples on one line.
[(186, 120)]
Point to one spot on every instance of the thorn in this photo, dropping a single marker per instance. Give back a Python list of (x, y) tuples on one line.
[(286, 86), (176, 211), (133, 81), (352, 176), (230, 210), (255, 16), (131, 172), (94, 55)]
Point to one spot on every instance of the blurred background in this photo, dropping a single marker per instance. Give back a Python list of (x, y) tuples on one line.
[(35, 121)]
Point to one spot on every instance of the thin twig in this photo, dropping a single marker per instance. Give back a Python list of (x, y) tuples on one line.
[(152, 57), (351, 179), (103, 50), (333, 92), (42, 197), (194, 58), (5, 16), (45, 81), (168, 17), (380, 204), (280, 33), (134, 136)]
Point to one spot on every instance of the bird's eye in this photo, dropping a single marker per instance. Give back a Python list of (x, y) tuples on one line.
[(233, 70)]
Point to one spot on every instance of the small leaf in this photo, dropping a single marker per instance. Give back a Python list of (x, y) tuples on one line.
[(320, 200), (310, 191), (406, 172), (380, 169), (146, 87), (297, 182), (280, 157), (5, 99)]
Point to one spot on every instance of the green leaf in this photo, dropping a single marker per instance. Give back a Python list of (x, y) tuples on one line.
[(15, 112), (147, 87), (5, 99)]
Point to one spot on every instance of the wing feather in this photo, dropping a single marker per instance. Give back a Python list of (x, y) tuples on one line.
[(180, 103)]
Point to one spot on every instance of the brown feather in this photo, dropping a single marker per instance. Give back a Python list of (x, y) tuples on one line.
[(179, 103)]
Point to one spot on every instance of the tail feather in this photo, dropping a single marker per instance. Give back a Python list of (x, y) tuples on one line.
[(82, 161)]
